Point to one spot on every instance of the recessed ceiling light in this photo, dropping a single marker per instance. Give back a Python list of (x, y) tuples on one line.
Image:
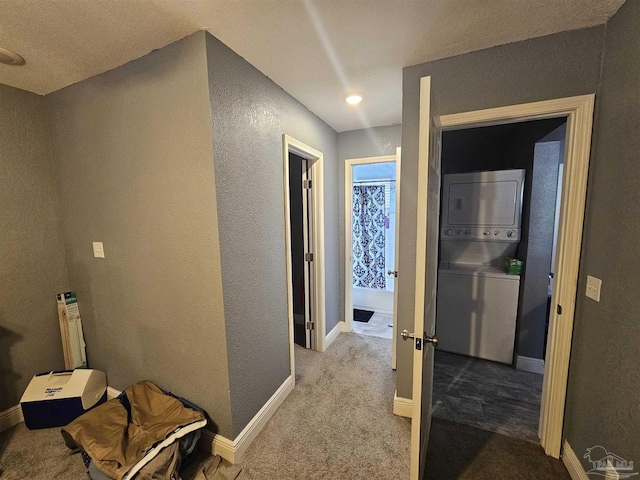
[(353, 98), (8, 57)]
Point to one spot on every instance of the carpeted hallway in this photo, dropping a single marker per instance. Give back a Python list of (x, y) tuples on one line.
[(338, 421)]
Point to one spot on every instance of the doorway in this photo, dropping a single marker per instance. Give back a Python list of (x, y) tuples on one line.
[(303, 188), (579, 114), (372, 205), (494, 276)]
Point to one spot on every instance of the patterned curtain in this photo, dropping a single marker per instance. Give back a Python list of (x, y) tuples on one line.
[(369, 236)]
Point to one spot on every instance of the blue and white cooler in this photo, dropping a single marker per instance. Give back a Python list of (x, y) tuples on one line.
[(53, 399)]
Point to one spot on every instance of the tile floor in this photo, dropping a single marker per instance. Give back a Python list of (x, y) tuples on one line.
[(377, 326), (487, 395), (476, 392)]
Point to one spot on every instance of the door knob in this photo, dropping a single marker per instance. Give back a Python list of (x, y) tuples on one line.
[(432, 340), (427, 339), (406, 335), (392, 272)]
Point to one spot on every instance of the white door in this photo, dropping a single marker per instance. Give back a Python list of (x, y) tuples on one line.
[(307, 222), (396, 259), (426, 277)]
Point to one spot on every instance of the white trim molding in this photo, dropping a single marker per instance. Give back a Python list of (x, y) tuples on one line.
[(332, 335), (572, 463), (112, 393), (402, 406), (345, 327), (232, 450), (11, 417), (528, 364)]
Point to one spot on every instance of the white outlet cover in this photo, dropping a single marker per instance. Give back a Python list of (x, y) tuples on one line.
[(593, 288), (98, 250)]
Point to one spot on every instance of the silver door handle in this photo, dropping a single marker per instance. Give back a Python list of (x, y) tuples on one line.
[(393, 272), (427, 339)]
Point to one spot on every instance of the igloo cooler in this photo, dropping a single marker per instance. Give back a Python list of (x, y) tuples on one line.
[(53, 399)]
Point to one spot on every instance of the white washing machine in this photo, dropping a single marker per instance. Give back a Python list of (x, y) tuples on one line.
[(477, 301)]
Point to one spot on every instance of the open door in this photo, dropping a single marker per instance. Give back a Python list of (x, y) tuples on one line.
[(424, 339), (396, 261), (302, 274)]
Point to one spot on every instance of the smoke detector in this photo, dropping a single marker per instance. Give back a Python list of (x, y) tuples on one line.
[(7, 57)]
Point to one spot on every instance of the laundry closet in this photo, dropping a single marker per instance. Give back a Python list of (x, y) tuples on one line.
[(499, 201)]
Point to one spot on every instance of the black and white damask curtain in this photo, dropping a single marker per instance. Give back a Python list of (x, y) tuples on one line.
[(369, 236)]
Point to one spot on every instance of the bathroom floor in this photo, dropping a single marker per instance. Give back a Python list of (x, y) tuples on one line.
[(380, 325)]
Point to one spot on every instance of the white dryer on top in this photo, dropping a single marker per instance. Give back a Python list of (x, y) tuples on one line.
[(480, 225)]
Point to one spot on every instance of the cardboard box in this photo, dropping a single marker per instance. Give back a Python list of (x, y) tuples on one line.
[(53, 399)]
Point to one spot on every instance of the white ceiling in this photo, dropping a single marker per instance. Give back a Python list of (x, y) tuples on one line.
[(316, 50)]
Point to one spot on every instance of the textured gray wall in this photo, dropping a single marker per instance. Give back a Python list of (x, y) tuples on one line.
[(555, 66), (604, 379), (533, 305), (369, 142), (249, 115), (134, 164), (32, 265)]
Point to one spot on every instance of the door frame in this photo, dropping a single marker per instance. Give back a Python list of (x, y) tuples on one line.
[(579, 113), (315, 157), (348, 242)]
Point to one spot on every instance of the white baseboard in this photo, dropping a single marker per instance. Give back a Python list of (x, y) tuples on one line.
[(332, 335), (232, 451), (344, 328), (528, 364), (402, 406), (11, 417), (112, 393), (572, 463)]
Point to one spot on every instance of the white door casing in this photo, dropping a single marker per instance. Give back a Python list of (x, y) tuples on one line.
[(579, 114)]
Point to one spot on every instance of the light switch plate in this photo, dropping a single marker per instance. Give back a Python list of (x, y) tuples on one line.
[(593, 288), (98, 250)]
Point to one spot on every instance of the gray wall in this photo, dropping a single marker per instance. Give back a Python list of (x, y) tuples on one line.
[(32, 266), (555, 66), (249, 115), (369, 142), (604, 380), (533, 307), (134, 163)]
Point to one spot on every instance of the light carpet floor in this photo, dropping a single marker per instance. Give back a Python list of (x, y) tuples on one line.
[(338, 421)]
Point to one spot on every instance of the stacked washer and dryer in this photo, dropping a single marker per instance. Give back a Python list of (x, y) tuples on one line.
[(477, 302)]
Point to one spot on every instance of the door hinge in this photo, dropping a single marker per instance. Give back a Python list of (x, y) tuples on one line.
[(306, 184), (310, 326), (308, 257)]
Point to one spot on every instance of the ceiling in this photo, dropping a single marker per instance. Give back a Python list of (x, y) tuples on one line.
[(316, 50)]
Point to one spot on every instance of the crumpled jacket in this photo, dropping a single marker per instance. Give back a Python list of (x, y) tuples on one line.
[(121, 440)]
